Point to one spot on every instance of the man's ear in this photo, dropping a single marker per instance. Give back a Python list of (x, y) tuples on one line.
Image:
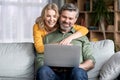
[(75, 20)]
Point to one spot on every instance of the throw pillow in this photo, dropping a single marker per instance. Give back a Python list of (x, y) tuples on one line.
[(111, 69), (101, 49)]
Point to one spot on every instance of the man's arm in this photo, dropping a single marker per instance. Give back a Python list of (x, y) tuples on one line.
[(88, 59), (87, 65)]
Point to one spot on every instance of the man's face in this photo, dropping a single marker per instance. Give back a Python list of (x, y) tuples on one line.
[(67, 20)]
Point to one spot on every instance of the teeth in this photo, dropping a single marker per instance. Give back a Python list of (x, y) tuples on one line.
[(50, 23)]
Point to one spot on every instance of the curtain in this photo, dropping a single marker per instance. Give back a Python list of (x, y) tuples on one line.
[(17, 18)]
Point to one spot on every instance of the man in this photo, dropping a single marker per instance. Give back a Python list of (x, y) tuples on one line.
[(68, 16)]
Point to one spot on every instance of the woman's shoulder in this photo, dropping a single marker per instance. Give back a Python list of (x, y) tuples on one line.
[(36, 26), (39, 30)]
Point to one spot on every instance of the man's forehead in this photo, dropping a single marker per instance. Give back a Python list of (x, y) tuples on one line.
[(69, 13)]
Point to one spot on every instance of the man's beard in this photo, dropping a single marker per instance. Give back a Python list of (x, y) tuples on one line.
[(65, 28)]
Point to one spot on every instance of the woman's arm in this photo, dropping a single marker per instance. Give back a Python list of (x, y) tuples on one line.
[(38, 36), (80, 31)]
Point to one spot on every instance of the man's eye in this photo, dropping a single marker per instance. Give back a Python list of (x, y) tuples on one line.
[(70, 18)]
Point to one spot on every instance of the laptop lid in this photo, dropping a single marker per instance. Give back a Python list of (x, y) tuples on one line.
[(62, 55)]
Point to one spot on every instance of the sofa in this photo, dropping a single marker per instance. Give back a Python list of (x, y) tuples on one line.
[(17, 60)]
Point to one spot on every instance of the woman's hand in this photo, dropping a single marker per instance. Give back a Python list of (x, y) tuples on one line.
[(66, 41)]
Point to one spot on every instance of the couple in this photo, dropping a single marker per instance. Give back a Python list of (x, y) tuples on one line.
[(66, 34)]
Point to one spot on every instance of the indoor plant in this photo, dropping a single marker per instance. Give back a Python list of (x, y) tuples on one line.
[(102, 15)]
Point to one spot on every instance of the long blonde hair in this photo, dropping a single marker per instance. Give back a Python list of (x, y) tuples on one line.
[(40, 19)]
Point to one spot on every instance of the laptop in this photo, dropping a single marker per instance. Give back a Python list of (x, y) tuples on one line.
[(56, 55)]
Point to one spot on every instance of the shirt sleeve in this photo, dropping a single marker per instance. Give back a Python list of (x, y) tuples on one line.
[(83, 30), (87, 50), (38, 36)]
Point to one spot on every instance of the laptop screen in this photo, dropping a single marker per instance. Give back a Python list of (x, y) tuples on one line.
[(62, 55)]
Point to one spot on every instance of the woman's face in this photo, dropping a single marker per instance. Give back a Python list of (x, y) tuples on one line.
[(50, 18)]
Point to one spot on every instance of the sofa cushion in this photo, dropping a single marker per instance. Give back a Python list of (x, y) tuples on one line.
[(102, 51), (111, 69), (17, 60)]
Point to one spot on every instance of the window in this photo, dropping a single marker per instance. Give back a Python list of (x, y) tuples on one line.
[(17, 18)]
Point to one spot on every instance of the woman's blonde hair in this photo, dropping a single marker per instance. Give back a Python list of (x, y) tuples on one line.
[(40, 20)]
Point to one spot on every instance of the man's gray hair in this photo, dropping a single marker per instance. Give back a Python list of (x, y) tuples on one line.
[(70, 7)]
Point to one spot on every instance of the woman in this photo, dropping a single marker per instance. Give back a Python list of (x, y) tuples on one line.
[(46, 24)]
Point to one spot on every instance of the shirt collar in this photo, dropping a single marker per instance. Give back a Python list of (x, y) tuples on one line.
[(72, 30)]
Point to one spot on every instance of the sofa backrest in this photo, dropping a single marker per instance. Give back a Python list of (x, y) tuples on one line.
[(102, 51), (17, 60)]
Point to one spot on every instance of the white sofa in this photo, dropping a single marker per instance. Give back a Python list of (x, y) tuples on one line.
[(17, 59)]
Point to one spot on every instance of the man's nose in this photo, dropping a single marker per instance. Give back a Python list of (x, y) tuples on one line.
[(66, 20)]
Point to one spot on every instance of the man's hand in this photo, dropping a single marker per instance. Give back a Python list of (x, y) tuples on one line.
[(87, 65)]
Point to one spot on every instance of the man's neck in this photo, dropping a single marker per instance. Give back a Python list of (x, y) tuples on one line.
[(64, 31)]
